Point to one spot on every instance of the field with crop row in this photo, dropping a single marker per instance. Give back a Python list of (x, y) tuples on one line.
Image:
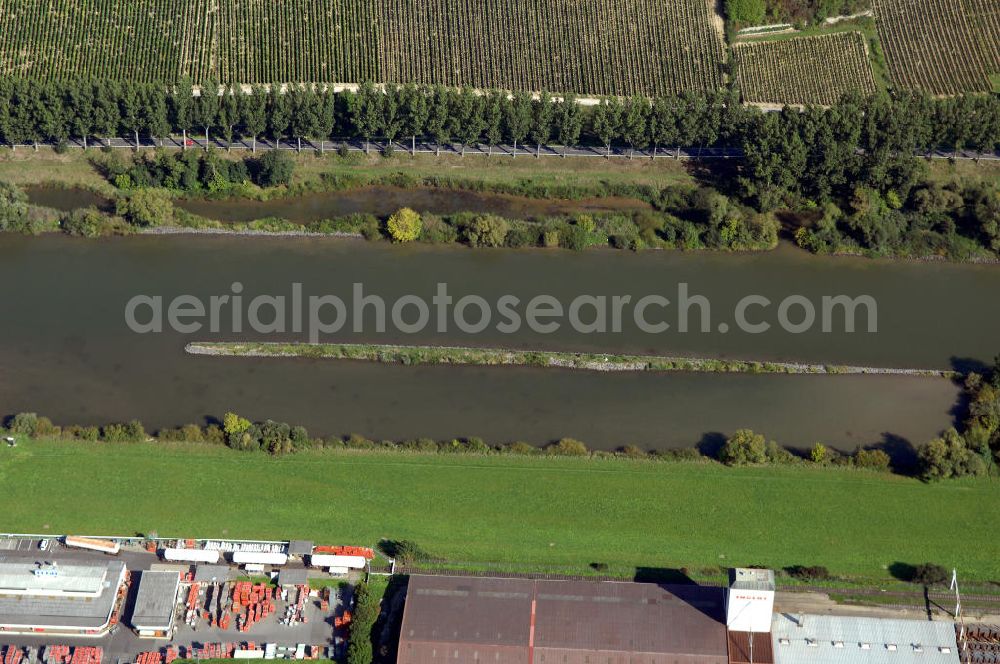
[(584, 46), (602, 46), (806, 70), (147, 39), (940, 46), (985, 18)]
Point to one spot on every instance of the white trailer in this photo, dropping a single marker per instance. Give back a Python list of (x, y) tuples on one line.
[(191, 555), (259, 557), (325, 560), (339, 571), (248, 654), (104, 546)]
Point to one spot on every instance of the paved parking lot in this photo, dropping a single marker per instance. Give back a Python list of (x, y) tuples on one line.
[(122, 644)]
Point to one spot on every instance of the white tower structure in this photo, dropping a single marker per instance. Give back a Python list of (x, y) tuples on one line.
[(750, 600)]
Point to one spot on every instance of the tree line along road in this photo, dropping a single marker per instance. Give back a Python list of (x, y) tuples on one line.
[(430, 147)]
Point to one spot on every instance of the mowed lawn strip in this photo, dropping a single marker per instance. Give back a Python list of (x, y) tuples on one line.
[(511, 510)]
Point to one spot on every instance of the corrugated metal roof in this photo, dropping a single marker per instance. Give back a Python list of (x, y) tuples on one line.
[(521, 621), (818, 639), (156, 599)]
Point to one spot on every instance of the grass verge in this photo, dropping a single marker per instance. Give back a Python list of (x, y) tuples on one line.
[(549, 513)]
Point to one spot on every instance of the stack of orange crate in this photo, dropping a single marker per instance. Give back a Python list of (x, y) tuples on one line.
[(57, 654), (87, 655), (13, 655), (171, 655), (346, 551)]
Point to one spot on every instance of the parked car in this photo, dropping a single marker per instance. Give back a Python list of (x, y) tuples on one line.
[(44, 545)]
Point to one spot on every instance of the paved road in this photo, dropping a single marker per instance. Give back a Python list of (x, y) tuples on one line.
[(428, 147)]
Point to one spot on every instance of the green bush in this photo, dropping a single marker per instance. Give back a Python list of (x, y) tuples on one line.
[(404, 225), (30, 424), (576, 238), (146, 208), (872, 460), (130, 432), (745, 12), (273, 168), (803, 573), (929, 574), (405, 552), (567, 447), (949, 456), (487, 231), (744, 447), (437, 231)]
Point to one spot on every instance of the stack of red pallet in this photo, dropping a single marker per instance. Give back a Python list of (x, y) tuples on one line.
[(255, 599), (150, 657), (13, 655), (171, 655), (211, 651), (57, 654), (363, 551), (192, 601), (342, 620), (87, 655)]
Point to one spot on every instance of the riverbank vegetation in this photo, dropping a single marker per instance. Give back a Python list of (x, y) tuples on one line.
[(846, 179), (504, 511), (412, 355)]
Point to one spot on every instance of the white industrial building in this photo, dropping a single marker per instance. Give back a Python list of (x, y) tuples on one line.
[(825, 639), (758, 635), (750, 600), (58, 597)]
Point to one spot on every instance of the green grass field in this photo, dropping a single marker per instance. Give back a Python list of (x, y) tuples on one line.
[(558, 512), (74, 168)]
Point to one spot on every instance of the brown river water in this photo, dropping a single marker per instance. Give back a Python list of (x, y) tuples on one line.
[(65, 350)]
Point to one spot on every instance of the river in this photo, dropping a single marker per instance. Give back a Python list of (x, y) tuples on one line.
[(65, 349)]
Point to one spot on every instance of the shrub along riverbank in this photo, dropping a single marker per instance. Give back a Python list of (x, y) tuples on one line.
[(397, 354), (680, 215), (949, 210)]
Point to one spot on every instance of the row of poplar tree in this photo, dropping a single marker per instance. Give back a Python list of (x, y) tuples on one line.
[(55, 111), (32, 111)]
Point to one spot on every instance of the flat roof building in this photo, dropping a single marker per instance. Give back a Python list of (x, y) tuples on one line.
[(70, 598), (815, 639), (214, 573), (293, 576), (50, 579), (156, 603), (523, 621)]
